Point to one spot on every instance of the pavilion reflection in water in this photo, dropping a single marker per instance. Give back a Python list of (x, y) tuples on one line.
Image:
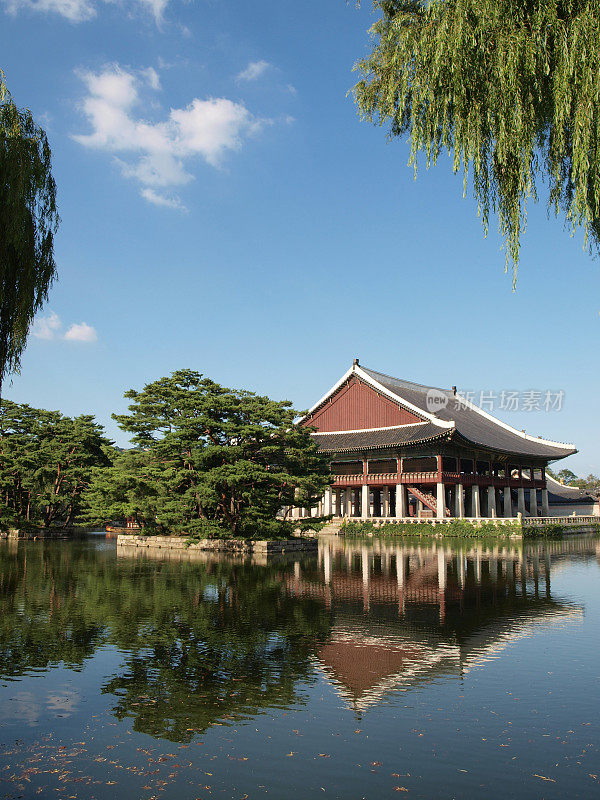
[(404, 615)]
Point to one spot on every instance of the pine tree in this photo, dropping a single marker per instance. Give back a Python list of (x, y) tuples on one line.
[(209, 460)]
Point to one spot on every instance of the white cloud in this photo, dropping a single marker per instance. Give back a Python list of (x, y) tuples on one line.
[(46, 327), (82, 10), (253, 71), (155, 7), (73, 10), (151, 76), (81, 332), (156, 154), (49, 328), (158, 199)]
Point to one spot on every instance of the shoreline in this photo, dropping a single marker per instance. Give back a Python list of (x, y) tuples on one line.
[(235, 546)]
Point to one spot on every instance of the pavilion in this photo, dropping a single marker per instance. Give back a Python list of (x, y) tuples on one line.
[(399, 449)]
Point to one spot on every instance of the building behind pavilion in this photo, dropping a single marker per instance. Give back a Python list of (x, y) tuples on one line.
[(400, 449)]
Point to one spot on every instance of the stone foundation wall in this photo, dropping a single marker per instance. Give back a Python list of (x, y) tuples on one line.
[(218, 545)]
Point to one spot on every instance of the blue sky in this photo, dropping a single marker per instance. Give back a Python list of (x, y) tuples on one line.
[(224, 209)]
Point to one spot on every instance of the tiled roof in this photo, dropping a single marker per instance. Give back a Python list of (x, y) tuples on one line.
[(470, 423), (384, 437), (560, 493)]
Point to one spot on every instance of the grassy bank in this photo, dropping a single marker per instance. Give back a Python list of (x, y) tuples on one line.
[(458, 529)]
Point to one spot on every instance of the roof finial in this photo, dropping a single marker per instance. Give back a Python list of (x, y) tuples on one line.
[(355, 362)]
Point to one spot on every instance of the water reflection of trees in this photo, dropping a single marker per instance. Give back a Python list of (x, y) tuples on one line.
[(199, 642), (203, 642)]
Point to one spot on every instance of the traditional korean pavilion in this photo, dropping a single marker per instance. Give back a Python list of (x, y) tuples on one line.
[(399, 449)]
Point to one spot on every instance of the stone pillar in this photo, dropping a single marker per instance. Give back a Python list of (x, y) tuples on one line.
[(478, 568), (348, 502), (400, 567), (365, 502), (521, 500), (545, 503), (533, 506), (364, 558), (460, 563), (327, 503), (385, 501), (508, 512), (491, 493), (441, 501), (460, 501), (400, 500), (441, 556), (475, 504), (327, 565)]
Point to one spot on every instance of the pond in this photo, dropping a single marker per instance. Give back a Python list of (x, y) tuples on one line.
[(374, 669)]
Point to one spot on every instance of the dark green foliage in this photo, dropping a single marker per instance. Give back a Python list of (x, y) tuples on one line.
[(550, 531), (509, 89), (210, 461), (28, 222), (46, 462), (457, 528)]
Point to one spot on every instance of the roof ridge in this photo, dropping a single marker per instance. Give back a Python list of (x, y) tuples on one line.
[(403, 380)]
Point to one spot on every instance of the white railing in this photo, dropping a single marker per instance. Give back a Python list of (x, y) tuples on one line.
[(572, 520)]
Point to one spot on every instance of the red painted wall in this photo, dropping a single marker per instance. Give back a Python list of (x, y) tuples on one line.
[(357, 406)]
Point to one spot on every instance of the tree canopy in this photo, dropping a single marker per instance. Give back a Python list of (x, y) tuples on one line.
[(28, 222), (509, 88), (568, 477), (46, 463), (209, 461)]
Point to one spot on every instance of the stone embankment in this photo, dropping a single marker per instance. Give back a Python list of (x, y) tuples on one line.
[(235, 546)]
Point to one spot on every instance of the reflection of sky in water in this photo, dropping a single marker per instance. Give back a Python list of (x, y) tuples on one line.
[(354, 674), (30, 707)]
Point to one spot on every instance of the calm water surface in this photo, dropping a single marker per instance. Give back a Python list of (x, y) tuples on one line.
[(378, 668)]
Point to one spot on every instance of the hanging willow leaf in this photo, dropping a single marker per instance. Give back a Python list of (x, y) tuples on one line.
[(509, 88), (28, 222)]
